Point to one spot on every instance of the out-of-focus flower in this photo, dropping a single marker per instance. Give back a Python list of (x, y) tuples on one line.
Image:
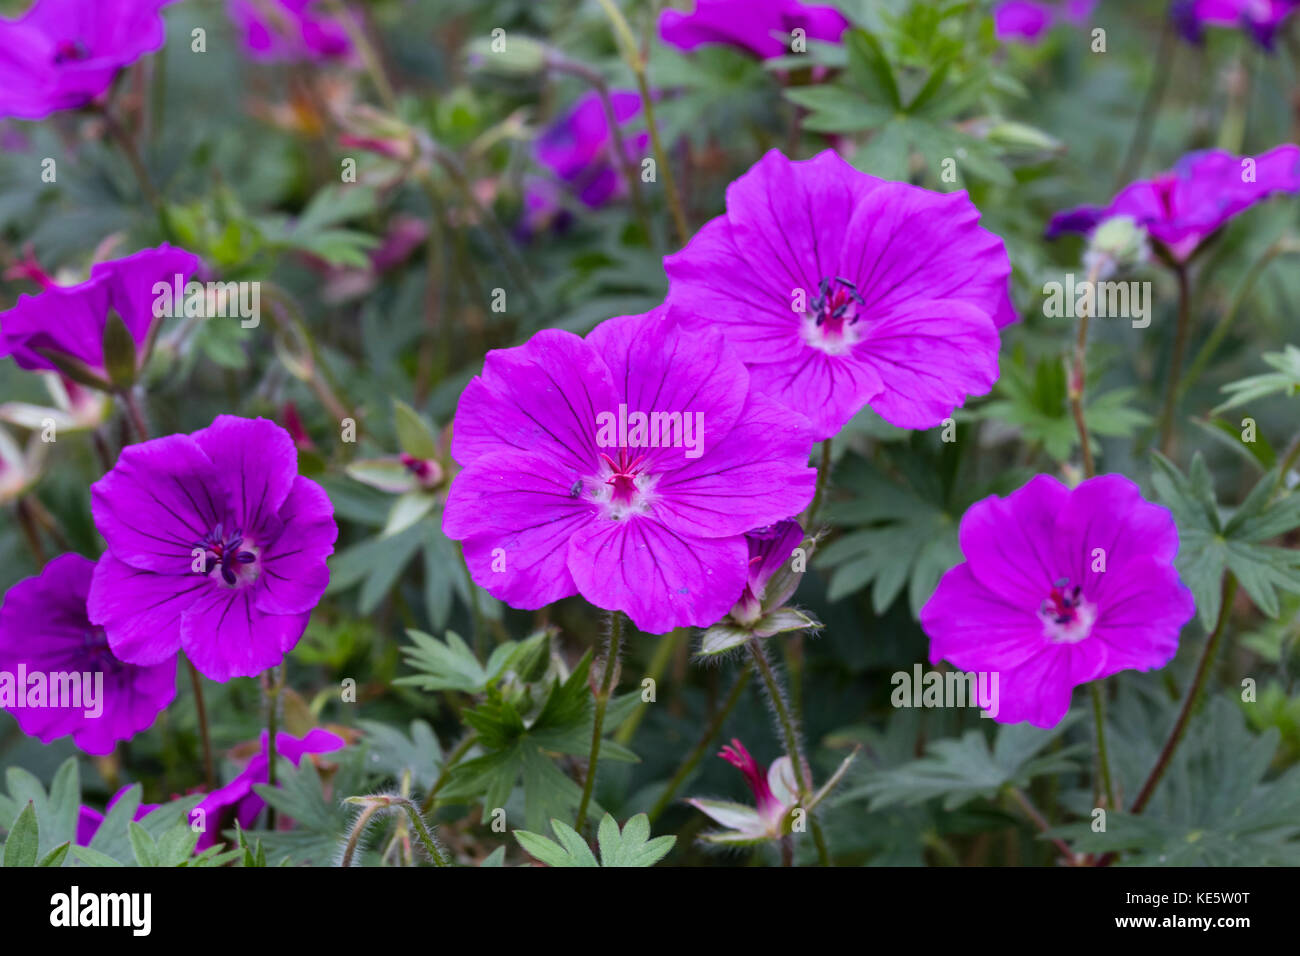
[(1119, 243), (1024, 21), (216, 545), (237, 801), (346, 283), (841, 290), (63, 328), (578, 148), (760, 27), (1261, 19), (62, 54), (19, 468), (75, 408), (46, 635), (1181, 208), (89, 819), (1059, 587), (290, 30)]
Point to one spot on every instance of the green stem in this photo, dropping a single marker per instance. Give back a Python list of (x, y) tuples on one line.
[(701, 746), (823, 478), (357, 829), (661, 158), (272, 689), (1170, 410), (791, 735), (444, 773), (598, 725), (1193, 696), (1038, 819), (1212, 342), (1103, 760), (209, 774), (1151, 104), (658, 664)]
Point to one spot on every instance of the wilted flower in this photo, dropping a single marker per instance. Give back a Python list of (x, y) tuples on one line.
[(841, 290), (776, 799), (1181, 208), (44, 631), (760, 27), (555, 499), (1059, 587), (290, 30), (63, 328), (216, 545), (75, 408), (237, 801), (62, 54), (19, 468)]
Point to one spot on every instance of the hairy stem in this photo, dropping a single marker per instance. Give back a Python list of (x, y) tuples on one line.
[(598, 725), (1170, 410), (791, 735), (702, 745)]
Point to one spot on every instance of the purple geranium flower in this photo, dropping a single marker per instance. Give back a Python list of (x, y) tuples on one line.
[(770, 552), (69, 321), (290, 30), (761, 27), (1027, 21), (237, 799), (89, 819), (1203, 191), (62, 54), (1059, 587), (44, 630), (1260, 18), (578, 148), (625, 467), (843, 290), (216, 545)]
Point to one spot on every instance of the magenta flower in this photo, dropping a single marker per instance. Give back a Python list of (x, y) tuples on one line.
[(290, 30), (760, 27), (1181, 208), (89, 819), (65, 323), (215, 546), (1261, 19), (48, 647), (625, 467), (62, 54), (776, 794), (770, 553), (1024, 21), (578, 148), (842, 290), (1059, 587), (237, 799)]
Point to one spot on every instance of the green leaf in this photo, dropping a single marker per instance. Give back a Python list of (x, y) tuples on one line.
[(415, 436), (870, 69), (1285, 381), (629, 847), (56, 856), (143, 845), (119, 351), (965, 769), (1208, 547), (632, 846), (23, 840), (93, 857)]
